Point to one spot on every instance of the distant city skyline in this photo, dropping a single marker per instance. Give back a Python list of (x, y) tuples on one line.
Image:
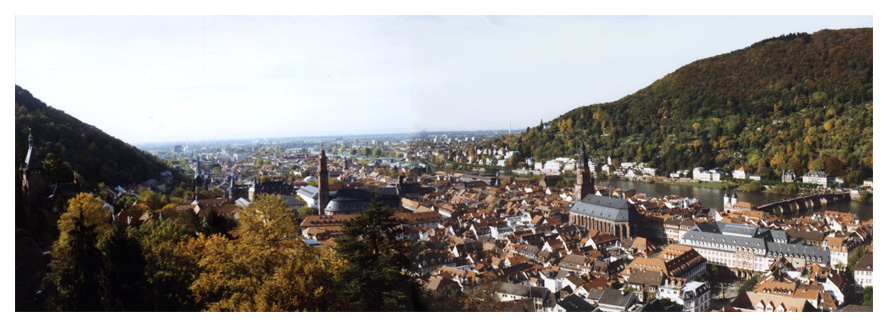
[(147, 79)]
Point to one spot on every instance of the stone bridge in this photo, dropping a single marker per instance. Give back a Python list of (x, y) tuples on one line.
[(802, 203)]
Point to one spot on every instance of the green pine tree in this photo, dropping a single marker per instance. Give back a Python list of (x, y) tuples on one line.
[(374, 276)]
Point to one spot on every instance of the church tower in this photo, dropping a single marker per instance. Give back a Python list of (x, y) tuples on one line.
[(323, 187), (33, 173), (198, 179), (585, 183), (33, 178)]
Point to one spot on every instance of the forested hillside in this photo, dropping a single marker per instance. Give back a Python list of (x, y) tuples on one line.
[(798, 102), (66, 143)]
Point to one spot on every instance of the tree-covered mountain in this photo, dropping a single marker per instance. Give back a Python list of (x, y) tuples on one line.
[(65, 143), (798, 102)]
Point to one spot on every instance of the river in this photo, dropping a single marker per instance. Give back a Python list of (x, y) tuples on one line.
[(713, 198)]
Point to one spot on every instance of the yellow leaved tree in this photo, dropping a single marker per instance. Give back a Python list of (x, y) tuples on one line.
[(266, 267)]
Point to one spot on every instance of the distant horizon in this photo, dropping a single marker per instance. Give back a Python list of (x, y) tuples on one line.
[(365, 136), (152, 79)]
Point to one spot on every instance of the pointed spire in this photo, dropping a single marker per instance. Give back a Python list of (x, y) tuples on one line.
[(583, 159), (323, 187), (197, 171), (32, 160)]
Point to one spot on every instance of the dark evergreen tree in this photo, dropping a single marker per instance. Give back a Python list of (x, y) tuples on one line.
[(123, 282), (374, 276), (215, 223)]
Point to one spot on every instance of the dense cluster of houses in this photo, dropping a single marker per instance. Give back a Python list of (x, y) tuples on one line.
[(591, 248), (554, 249)]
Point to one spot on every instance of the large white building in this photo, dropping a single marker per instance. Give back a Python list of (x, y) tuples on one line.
[(815, 177), (710, 175), (749, 249)]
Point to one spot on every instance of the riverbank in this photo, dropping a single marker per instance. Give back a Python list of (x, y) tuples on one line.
[(715, 185), (712, 197), (758, 187)]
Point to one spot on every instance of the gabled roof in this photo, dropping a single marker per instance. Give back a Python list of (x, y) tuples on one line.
[(865, 263), (437, 283), (789, 304), (308, 191), (608, 208), (815, 173), (574, 303), (814, 236), (798, 250), (709, 232), (611, 297), (645, 264), (359, 199), (646, 277), (513, 289)]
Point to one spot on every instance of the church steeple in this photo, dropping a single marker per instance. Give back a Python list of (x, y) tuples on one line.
[(323, 187), (33, 179), (582, 158), (585, 183), (32, 160), (198, 178), (197, 171)]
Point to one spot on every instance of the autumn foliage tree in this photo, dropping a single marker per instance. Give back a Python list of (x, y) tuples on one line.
[(74, 281), (171, 257), (267, 267)]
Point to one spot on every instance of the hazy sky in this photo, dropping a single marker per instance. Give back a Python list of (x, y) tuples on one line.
[(175, 78)]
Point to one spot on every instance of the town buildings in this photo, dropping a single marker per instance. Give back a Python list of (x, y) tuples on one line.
[(863, 272), (693, 296), (749, 249), (708, 175), (584, 247), (613, 216), (816, 177)]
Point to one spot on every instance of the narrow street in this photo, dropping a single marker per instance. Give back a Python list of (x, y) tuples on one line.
[(724, 291)]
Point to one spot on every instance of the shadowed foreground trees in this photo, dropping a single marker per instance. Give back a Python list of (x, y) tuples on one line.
[(263, 264), (74, 282), (171, 265)]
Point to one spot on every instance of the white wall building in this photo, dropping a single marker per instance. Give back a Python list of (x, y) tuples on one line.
[(815, 177), (740, 173), (710, 175), (863, 272), (693, 296), (748, 248)]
